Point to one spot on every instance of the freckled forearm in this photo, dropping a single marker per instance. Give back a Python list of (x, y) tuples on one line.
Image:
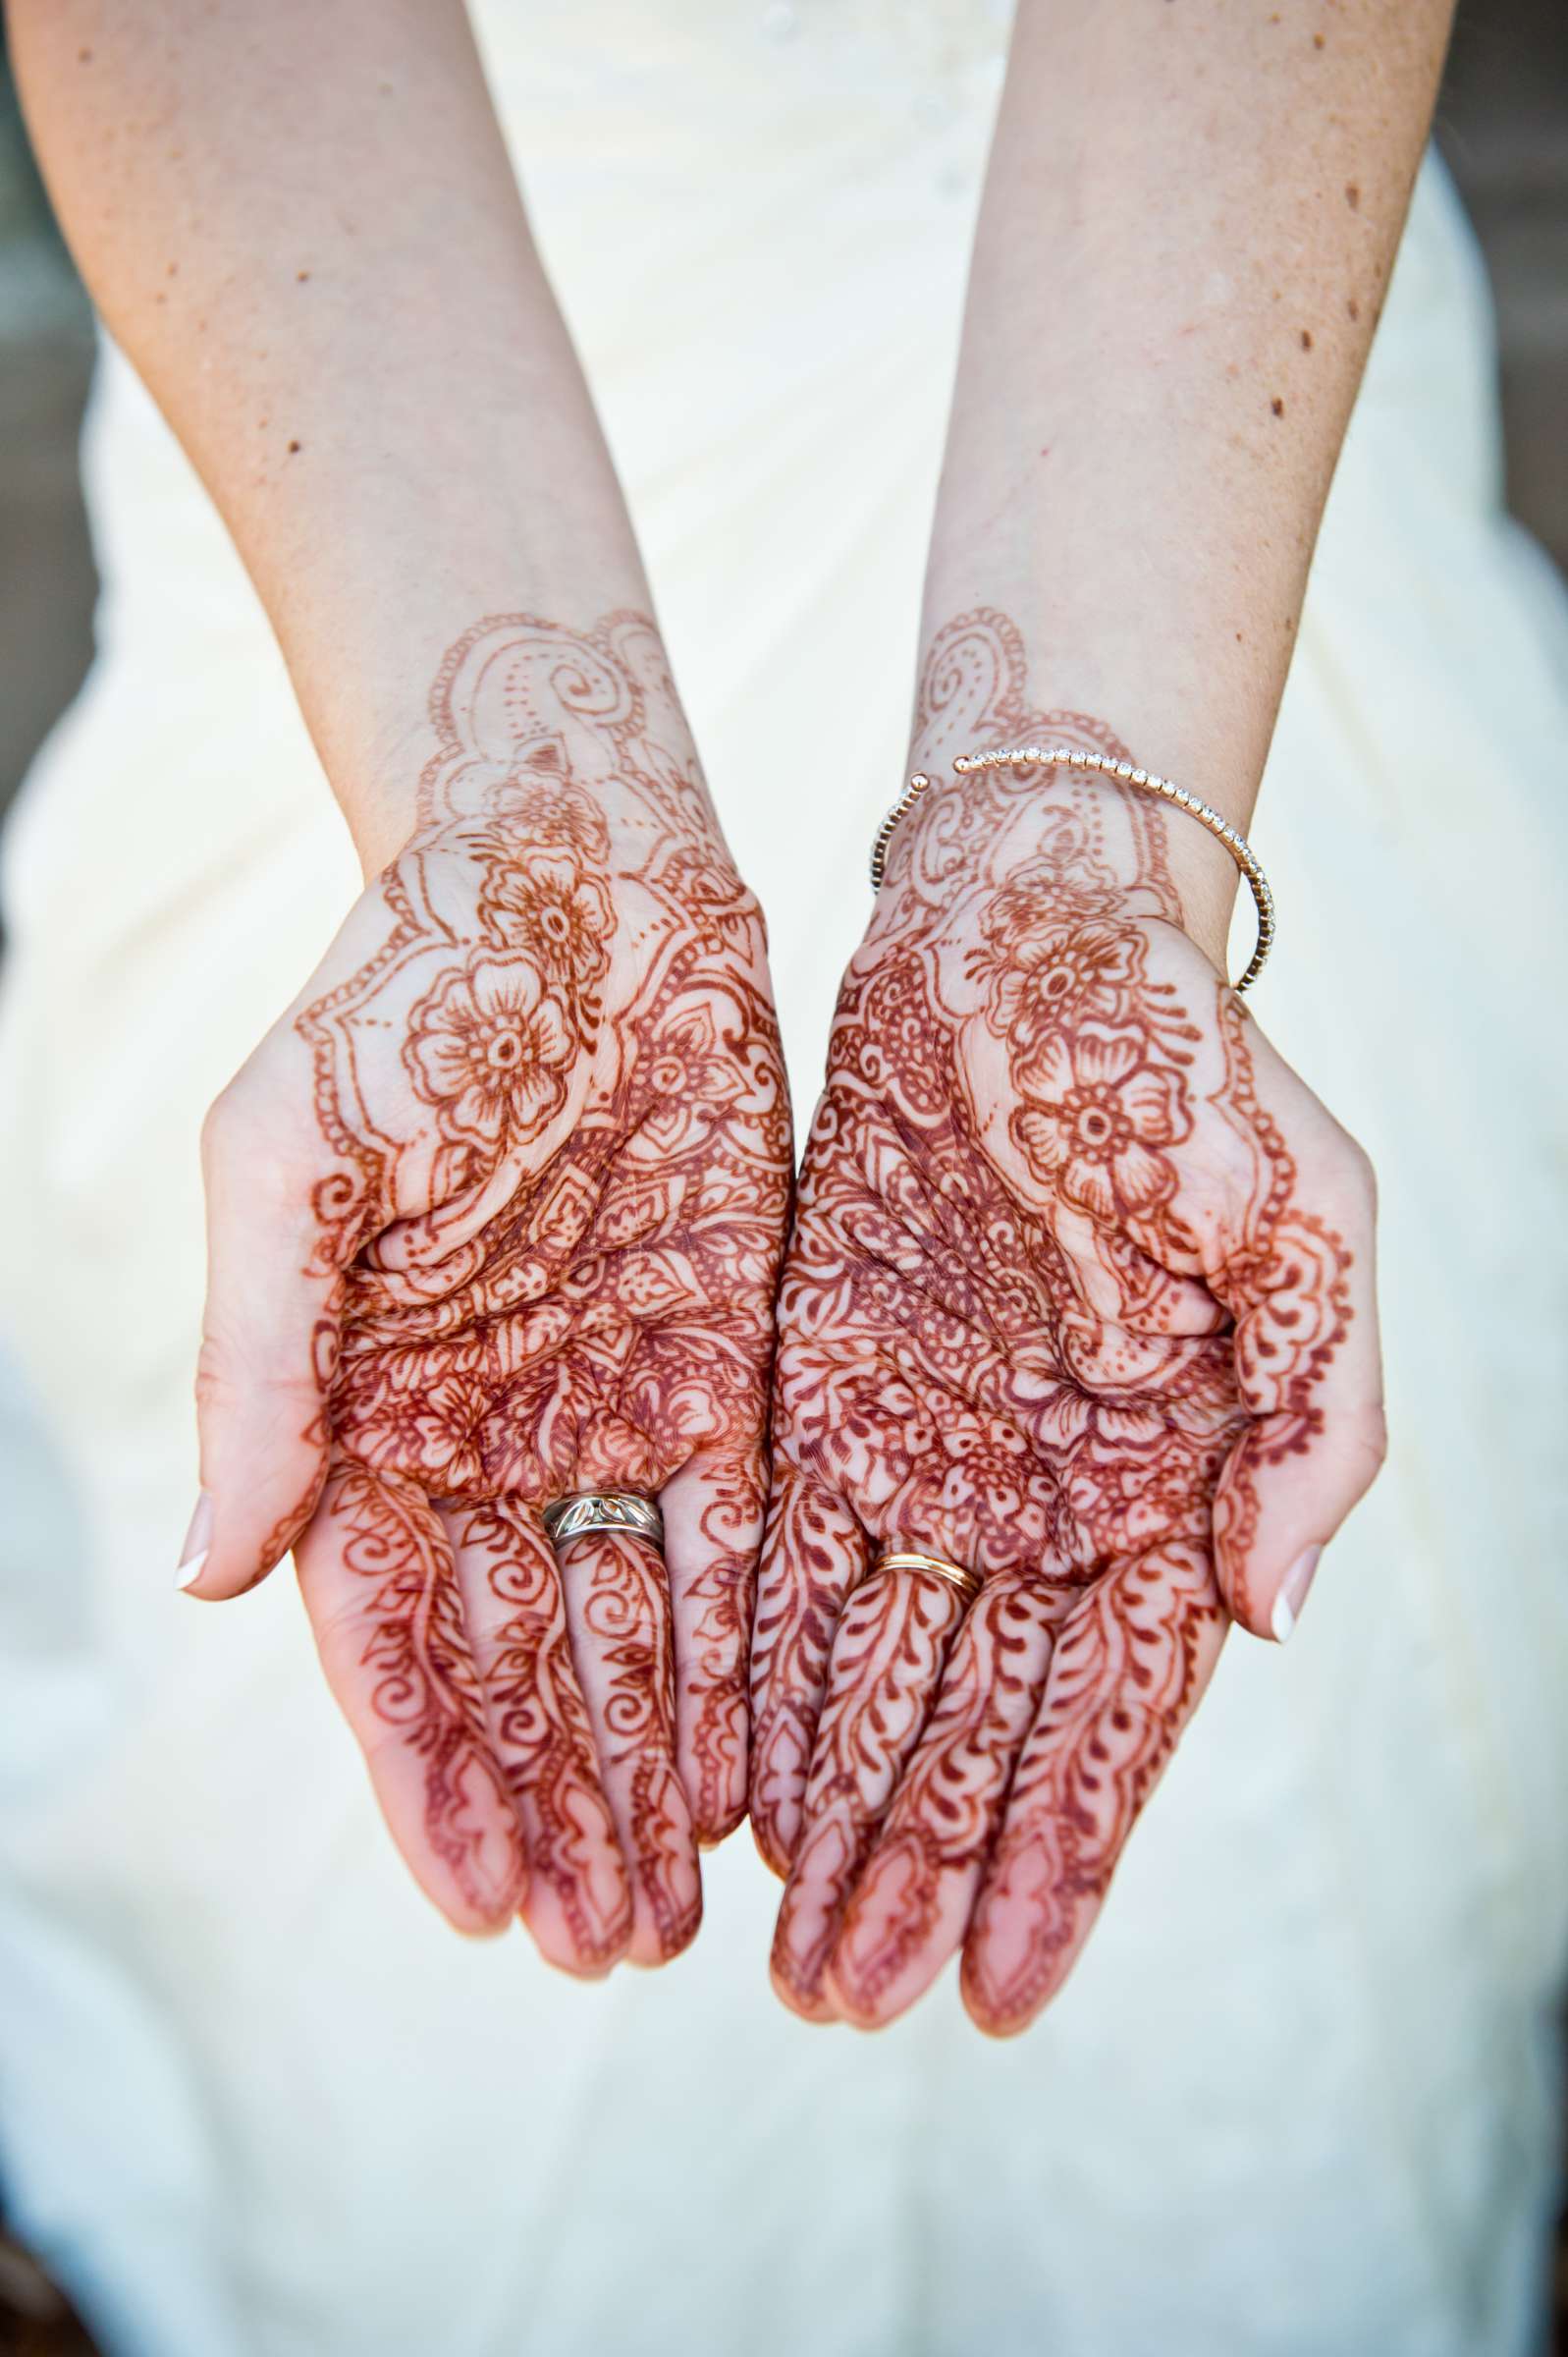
[(1189, 221), (301, 225)]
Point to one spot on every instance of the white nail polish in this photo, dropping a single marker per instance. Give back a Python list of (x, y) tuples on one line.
[(188, 1573), (1293, 1594)]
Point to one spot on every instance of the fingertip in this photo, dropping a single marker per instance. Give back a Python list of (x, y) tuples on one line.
[(807, 2005), (712, 1831), (581, 1931), (656, 1941), (993, 2020), (478, 1928), (196, 1545), (858, 2013), (1268, 1603), (474, 1917), (216, 1576), (780, 1760), (474, 1914), (237, 1535), (713, 1763), (561, 1952), (775, 1848), (1292, 1595), (188, 1579)]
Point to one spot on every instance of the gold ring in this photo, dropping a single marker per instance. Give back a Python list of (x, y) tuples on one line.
[(911, 1558), (620, 1511)]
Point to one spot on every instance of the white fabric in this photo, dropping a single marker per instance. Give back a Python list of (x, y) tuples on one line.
[(1301, 2096)]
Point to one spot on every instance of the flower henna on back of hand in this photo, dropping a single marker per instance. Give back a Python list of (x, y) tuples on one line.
[(527, 1139), (1078, 1298)]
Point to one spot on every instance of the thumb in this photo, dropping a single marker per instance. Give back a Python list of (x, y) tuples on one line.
[(269, 1345), (1310, 1372)]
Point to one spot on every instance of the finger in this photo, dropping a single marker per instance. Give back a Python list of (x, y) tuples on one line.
[(377, 1577), (911, 1907), (887, 1657), (618, 1611), (1130, 1664), (269, 1345), (712, 1513), (577, 1903), (813, 1553), (1310, 1376)]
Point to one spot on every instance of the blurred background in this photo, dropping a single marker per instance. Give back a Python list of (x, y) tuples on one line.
[(1502, 126)]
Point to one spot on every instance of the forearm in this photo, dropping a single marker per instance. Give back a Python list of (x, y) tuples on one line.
[(1189, 220), (302, 227)]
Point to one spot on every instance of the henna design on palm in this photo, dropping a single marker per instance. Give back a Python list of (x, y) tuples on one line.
[(497, 1215), (1078, 1295)]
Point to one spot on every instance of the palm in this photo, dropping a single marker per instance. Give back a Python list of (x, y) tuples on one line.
[(548, 1150), (1054, 1310)]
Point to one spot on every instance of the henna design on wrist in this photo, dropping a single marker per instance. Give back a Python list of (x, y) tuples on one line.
[(1055, 1301), (551, 1183)]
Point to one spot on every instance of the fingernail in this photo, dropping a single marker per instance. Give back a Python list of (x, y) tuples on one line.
[(1293, 1594), (198, 1540)]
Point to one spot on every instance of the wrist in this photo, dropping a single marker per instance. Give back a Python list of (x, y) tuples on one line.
[(1148, 854), (524, 716), (1137, 856)]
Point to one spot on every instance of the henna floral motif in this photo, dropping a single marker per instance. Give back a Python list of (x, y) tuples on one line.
[(1098, 1118), (554, 913), (488, 1048), (1055, 1308), (551, 1182)]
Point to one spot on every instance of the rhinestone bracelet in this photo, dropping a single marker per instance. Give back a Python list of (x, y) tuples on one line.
[(1062, 757)]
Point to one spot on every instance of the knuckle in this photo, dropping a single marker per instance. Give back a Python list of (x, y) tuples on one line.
[(260, 1159), (1359, 1173), (218, 1126), (239, 1115), (1374, 1435), (211, 1385)]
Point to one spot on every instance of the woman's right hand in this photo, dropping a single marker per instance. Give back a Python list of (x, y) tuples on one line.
[(495, 1213)]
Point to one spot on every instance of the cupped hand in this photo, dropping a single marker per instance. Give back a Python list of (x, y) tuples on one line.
[(495, 1215), (1078, 1298)]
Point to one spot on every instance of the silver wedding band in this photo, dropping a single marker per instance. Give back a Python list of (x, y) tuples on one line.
[(620, 1511)]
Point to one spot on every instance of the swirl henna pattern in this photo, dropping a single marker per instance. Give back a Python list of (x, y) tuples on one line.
[(1077, 1297), (535, 1103)]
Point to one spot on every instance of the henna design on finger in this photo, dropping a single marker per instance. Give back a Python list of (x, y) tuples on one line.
[(1128, 1668), (713, 1522), (620, 1611), (541, 1732), (408, 1667), (911, 1903), (813, 1555), (888, 1657)]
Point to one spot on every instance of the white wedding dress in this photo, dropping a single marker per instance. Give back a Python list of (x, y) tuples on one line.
[(1300, 2097)]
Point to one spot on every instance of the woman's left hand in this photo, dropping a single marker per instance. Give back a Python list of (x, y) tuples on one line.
[(1079, 1298)]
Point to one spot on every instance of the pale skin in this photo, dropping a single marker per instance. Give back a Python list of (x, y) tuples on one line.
[(1189, 219), (553, 1743)]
